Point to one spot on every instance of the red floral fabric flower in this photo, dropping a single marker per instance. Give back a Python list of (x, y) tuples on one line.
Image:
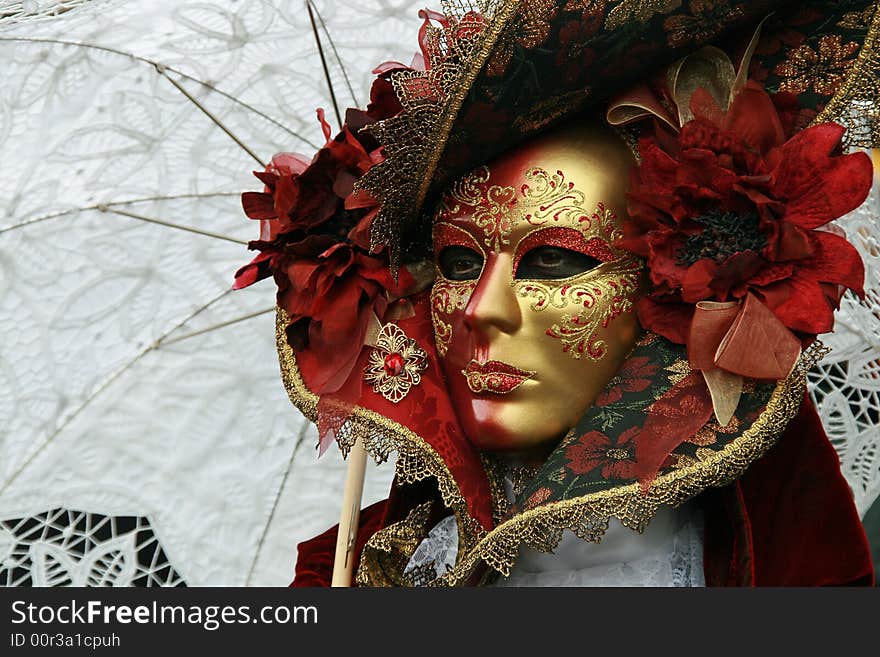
[(329, 297), (636, 375), (315, 241), (615, 456), (538, 497), (575, 57), (730, 207)]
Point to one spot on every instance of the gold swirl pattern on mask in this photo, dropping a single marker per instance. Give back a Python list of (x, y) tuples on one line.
[(447, 297), (604, 293), (549, 197), (490, 205), (468, 190), (543, 198)]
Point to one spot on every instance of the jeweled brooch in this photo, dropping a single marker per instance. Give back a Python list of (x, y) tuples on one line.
[(396, 364)]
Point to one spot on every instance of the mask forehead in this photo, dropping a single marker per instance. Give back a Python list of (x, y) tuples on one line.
[(575, 179)]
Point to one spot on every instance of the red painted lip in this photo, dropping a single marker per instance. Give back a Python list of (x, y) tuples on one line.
[(494, 376)]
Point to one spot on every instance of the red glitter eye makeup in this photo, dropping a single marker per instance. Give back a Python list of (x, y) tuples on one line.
[(564, 238), (446, 234)]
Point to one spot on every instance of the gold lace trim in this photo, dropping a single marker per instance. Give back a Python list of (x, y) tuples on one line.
[(541, 528), (387, 552), (855, 102), (494, 468), (416, 459), (415, 139)]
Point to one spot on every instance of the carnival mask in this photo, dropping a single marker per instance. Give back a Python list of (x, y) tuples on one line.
[(532, 304)]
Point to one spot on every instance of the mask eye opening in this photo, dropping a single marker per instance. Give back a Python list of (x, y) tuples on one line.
[(459, 263), (549, 262)]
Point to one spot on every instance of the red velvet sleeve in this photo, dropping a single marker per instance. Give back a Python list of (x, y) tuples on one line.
[(314, 559), (791, 517)]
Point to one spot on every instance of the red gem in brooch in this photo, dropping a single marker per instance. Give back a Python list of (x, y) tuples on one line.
[(394, 364)]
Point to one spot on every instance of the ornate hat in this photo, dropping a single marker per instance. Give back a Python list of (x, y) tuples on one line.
[(736, 111)]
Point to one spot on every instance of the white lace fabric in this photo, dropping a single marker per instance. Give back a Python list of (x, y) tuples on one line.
[(133, 382), (670, 557), (437, 551), (846, 384)]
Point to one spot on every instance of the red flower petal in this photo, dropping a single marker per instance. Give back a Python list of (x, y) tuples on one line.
[(325, 127), (789, 242), (671, 320), (837, 261), (258, 205), (256, 270), (267, 178), (286, 195), (705, 108), (818, 188), (771, 274), (290, 164), (663, 258), (737, 270), (753, 117), (697, 283), (383, 101), (800, 304)]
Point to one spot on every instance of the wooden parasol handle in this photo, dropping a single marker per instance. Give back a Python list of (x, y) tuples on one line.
[(349, 517)]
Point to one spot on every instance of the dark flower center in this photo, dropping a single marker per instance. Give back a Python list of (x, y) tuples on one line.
[(617, 454), (724, 234)]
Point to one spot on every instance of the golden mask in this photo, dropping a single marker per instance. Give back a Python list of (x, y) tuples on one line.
[(532, 304)]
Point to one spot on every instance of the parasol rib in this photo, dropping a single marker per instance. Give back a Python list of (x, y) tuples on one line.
[(101, 388), (168, 224), (162, 70), (98, 206), (299, 441), (336, 55), (164, 341), (169, 69), (324, 63)]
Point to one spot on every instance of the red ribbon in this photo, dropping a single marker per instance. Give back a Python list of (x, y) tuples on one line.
[(742, 338)]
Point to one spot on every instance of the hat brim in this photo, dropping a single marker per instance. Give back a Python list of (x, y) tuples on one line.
[(531, 65)]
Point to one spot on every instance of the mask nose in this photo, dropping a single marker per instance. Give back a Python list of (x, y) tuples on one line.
[(493, 304)]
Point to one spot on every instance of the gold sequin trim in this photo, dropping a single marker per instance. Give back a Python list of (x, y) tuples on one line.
[(638, 10), (855, 102), (415, 139)]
